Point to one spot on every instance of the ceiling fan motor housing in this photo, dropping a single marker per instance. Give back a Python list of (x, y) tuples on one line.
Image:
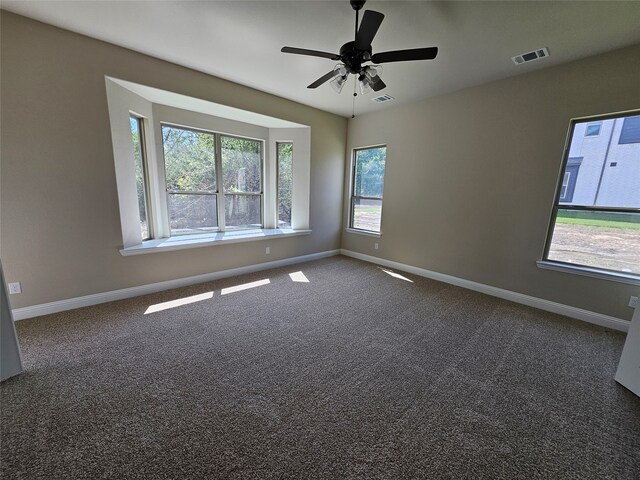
[(353, 58)]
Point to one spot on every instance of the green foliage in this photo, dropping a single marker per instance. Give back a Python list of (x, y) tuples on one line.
[(189, 159), (140, 174), (369, 172), (190, 168), (595, 222), (285, 182), (241, 165)]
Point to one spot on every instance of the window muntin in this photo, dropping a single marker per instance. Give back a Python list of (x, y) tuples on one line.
[(367, 187), (140, 162), (630, 132), (596, 216), (593, 129), (284, 153), (190, 178)]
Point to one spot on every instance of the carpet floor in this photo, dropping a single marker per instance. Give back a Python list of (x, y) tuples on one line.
[(352, 374)]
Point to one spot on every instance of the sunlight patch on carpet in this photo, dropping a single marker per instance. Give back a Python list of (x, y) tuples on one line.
[(158, 307), (245, 286), (395, 275), (299, 277)]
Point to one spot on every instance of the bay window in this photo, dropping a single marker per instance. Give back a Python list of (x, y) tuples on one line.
[(194, 173)]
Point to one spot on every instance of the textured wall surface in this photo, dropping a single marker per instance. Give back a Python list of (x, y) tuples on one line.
[(470, 177), (469, 182), (60, 230)]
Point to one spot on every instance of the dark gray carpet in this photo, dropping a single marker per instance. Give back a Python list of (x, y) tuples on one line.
[(356, 374)]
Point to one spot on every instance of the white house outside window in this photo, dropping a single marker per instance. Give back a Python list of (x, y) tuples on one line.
[(595, 223)]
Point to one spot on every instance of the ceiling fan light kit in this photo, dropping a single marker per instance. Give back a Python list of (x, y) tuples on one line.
[(353, 55), (339, 78), (338, 83)]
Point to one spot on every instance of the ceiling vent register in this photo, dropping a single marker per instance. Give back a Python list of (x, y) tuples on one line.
[(531, 56), (382, 98)]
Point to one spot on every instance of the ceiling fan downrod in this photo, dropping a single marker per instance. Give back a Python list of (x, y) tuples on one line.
[(357, 6)]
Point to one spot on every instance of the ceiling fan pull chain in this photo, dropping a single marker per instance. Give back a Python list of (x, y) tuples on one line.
[(353, 108)]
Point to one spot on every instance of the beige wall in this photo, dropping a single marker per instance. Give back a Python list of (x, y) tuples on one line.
[(469, 182), (470, 177), (60, 227)]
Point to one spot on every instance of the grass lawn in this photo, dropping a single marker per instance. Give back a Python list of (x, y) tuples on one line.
[(377, 210), (367, 217), (596, 222)]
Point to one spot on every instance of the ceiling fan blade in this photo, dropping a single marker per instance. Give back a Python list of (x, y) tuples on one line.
[(368, 28), (378, 84), (312, 53), (405, 55), (326, 77)]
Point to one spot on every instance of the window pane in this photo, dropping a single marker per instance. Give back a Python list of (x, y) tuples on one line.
[(241, 165), (369, 172), (630, 130), (603, 172), (242, 211), (367, 214), (189, 160), (593, 128), (192, 213), (597, 239), (285, 182), (141, 182)]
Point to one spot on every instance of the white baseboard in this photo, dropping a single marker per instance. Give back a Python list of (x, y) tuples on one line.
[(573, 312), (87, 300)]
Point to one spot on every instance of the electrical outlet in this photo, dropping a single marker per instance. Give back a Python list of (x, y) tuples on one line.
[(16, 288), (267, 250), (633, 302), (375, 246)]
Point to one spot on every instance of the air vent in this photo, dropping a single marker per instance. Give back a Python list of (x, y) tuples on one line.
[(530, 56), (382, 98)]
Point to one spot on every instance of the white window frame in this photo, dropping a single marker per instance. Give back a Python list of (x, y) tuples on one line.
[(352, 196), (597, 123), (142, 126), (581, 269), (158, 107), (220, 193)]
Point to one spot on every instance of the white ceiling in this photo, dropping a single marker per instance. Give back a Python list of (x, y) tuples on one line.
[(241, 40)]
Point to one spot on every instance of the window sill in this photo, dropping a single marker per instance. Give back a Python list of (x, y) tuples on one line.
[(363, 232), (631, 279), (194, 241)]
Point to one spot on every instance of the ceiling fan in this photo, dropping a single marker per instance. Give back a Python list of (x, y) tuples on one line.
[(354, 54)]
